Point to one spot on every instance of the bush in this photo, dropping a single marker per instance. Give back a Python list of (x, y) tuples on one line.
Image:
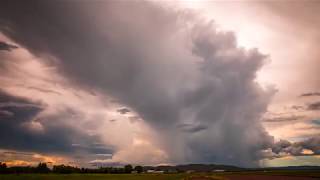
[(139, 169), (128, 168)]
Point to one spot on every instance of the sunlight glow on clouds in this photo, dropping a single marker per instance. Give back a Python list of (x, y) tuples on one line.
[(172, 85), (85, 110)]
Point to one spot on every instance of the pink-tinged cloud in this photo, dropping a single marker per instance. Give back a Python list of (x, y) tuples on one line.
[(133, 80)]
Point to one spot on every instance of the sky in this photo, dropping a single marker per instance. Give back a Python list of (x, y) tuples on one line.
[(107, 83)]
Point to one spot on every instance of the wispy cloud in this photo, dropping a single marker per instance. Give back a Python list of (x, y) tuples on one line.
[(311, 94), (314, 106), (123, 110), (191, 128), (286, 118), (7, 47)]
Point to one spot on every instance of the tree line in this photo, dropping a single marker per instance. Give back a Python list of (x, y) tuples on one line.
[(65, 169)]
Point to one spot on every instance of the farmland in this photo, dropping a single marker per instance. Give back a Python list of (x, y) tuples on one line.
[(92, 177), (179, 176)]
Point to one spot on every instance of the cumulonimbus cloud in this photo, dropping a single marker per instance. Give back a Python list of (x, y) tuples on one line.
[(171, 68)]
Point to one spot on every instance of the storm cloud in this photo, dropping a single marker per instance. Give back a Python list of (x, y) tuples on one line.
[(169, 67), (21, 129), (311, 145)]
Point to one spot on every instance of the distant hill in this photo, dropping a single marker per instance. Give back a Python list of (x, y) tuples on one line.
[(293, 168), (215, 167), (206, 167), (193, 167)]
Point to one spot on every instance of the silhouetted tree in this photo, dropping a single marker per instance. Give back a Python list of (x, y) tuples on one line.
[(42, 168), (128, 168), (139, 169), (3, 168), (21, 169), (65, 169)]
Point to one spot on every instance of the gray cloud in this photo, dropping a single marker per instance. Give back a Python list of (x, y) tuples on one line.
[(5, 113), (315, 121), (6, 47), (280, 145), (123, 110), (192, 128), (297, 148), (312, 144), (314, 106), (54, 136), (167, 66)]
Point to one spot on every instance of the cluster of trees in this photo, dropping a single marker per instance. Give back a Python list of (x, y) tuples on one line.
[(64, 169), (41, 168)]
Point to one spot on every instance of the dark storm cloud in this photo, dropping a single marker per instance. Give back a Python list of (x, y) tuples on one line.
[(297, 148), (6, 47), (314, 106), (164, 65), (315, 121), (16, 130), (92, 148), (192, 128), (280, 145), (5, 113), (11, 104), (312, 144)]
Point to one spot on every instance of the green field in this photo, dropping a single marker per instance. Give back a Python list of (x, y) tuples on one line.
[(198, 176), (93, 177)]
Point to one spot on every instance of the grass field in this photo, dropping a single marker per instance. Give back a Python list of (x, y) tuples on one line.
[(93, 177), (291, 173), (280, 175)]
